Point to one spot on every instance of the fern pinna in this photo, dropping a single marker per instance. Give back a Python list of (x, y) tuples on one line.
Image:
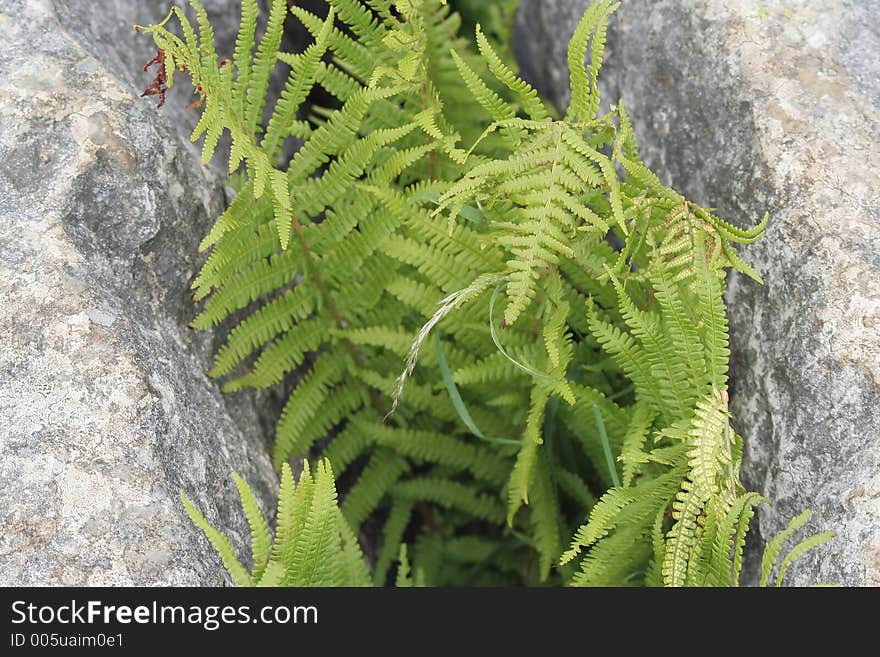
[(557, 312)]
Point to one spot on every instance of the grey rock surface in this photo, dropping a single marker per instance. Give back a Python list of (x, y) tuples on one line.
[(772, 106), (105, 413)]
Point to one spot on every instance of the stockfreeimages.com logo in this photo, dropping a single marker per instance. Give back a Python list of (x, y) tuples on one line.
[(210, 617)]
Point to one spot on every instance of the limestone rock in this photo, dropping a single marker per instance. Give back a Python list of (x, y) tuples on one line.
[(105, 413), (772, 106)]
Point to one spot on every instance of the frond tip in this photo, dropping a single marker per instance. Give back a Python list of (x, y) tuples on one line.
[(773, 549)]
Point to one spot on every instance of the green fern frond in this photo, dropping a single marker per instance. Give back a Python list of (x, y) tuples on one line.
[(522, 473), (800, 550), (220, 542), (525, 95), (312, 545), (376, 479), (724, 564), (273, 575), (585, 88), (404, 579), (451, 494), (774, 546), (304, 403), (602, 520), (706, 445), (302, 78), (432, 185), (261, 535), (544, 516), (392, 538), (319, 537)]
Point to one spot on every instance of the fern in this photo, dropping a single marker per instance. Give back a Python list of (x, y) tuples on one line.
[(312, 545), (435, 187), (773, 549)]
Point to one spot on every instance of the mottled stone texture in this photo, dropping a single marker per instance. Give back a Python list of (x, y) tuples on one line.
[(772, 106), (105, 413)]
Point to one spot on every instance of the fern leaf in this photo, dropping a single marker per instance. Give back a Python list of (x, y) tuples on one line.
[(800, 549), (220, 542), (710, 296), (521, 476), (261, 535), (392, 538), (350, 564), (585, 89), (451, 494), (273, 575), (264, 62), (633, 443), (304, 403), (309, 565), (378, 477), (706, 445), (404, 579), (299, 84), (244, 45), (774, 546), (524, 93), (544, 516), (726, 558)]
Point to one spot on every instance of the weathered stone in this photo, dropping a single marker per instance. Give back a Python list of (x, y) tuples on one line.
[(105, 413), (772, 106)]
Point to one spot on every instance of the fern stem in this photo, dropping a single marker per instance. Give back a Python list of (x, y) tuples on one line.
[(606, 446)]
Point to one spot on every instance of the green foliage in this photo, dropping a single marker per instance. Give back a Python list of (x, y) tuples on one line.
[(580, 340), (313, 544), (773, 549)]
